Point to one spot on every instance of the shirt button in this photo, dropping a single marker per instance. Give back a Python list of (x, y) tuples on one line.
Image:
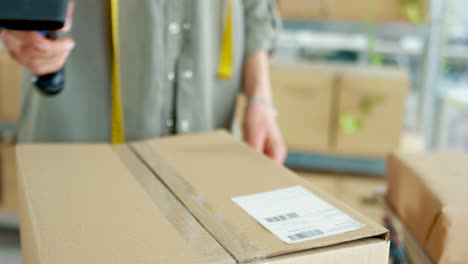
[(187, 26), (184, 125), (174, 28), (188, 74), (169, 123), (171, 76)]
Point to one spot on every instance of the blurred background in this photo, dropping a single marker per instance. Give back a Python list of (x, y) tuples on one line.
[(427, 40), (353, 80)]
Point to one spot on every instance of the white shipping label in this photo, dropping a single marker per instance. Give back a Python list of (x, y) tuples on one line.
[(295, 214)]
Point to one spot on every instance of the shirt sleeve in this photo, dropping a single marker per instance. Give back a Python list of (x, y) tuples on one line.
[(262, 24)]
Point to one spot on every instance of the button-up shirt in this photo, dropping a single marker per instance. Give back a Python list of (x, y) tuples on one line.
[(169, 52)]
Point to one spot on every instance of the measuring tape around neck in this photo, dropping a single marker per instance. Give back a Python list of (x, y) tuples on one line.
[(117, 123), (226, 57)]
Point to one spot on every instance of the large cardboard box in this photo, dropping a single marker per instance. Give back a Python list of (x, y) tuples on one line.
[(303, 94), (103, 204), (428, 194), (375, 97), (355, 11), (10, 76), (207, 171)]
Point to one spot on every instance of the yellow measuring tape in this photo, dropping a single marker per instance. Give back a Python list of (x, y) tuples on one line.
[(225, 63), (117, 126)]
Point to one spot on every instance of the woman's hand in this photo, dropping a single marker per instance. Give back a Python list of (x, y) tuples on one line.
[(37, 53), (261, 130)]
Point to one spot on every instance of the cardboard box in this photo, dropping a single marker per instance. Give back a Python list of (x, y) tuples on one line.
[(207, 171), (376, 97), (355, 11), (313, 101), (373, 10), (8, 178), (302, 9), (303, 95), (428, 194), (10, 77), (96, 204), (103, 204), (414, 251)]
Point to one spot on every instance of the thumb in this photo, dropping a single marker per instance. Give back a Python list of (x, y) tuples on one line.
[(69, 21)]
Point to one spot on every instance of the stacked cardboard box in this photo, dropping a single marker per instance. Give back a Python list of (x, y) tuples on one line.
[(10, 75), (339, 109), (8, 178), (303, 94), (170, 200), (357, 10), (427, 192)]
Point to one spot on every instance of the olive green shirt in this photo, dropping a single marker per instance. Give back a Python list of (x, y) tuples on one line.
[(169, 51)]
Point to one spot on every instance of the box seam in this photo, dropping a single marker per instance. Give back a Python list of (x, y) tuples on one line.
[(138, 155)]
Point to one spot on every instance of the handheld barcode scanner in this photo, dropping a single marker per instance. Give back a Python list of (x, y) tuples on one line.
[(45, 16)]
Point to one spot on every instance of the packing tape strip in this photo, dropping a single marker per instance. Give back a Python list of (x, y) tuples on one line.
[(199, 207), (199, 240)]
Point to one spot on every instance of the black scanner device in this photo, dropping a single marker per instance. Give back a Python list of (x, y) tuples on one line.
[(45, 16)]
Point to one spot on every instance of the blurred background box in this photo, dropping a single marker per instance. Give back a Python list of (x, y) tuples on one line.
[(355, 10), (303, 95), (427, 192), (373, 101), (374, 10), (301, 9), (340, 109), (8, 176), (10, 75)]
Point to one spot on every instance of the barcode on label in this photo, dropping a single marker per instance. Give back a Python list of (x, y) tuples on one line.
[(307, 234), (280, 218)]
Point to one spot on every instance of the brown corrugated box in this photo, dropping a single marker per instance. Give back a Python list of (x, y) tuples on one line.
[(302, 9), (10, 76), (303, 95), (313, 97), (96, 203), (8, 178), (371, 10), (345, 10), (206, 171), (382, 126), (428, 194)]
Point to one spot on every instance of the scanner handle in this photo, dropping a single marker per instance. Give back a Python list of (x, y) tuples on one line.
[(50, 84)]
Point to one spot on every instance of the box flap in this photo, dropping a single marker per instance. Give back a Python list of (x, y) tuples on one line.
[(205, 171), (428, 192), (82, 205)]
